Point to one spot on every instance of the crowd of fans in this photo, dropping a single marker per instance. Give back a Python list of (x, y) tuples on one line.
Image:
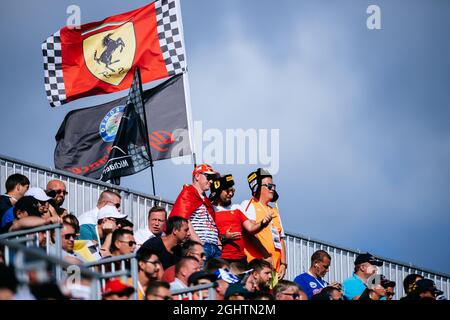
[(237, 249)]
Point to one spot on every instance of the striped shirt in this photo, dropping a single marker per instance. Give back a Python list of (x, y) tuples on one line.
[(204, 225)]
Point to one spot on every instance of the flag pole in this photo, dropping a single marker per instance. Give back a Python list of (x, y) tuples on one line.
[(187, 95), (141, 92)]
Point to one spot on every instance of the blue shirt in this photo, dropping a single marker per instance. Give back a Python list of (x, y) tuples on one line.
[(7, 218), (88, 232), (353, 287), (310, 284)]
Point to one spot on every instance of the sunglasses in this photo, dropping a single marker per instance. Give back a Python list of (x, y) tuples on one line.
[(64, 192), (130, 243), (294, 296), (70, 235), (270, 186)]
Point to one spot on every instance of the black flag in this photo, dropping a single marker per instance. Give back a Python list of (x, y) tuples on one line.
[(130, 152), (85, 137)]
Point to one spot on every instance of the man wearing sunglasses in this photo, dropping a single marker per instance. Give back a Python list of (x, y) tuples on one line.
[(56, 189), (148, 270), (107, 198), (288, 290), (230, 220), (68, 237), (269, 242), (193, 205), (122, 242)]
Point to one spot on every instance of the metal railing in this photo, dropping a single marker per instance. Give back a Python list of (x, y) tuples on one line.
[(34, 237), (83, 194), (188, 293), (124, 266)]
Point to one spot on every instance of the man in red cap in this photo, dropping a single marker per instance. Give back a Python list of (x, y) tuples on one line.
[(193, 205), (116, 289)]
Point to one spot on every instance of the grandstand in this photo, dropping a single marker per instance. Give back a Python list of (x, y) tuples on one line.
[(84, 192)]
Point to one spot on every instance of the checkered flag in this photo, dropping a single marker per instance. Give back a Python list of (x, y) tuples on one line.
[(130, 152), (169, 36), (53, 74)]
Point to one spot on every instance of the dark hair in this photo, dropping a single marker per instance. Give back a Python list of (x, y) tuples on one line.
[(259, 264), (125, 223), (319, 255), (144, 253), (174, 223), (187, 246), (156, 209), (324, 294), (116, 235), (409, 280), (155, 285), (241, 266), (15, 179), (215, 264), (261, 295), (183, 261), (72, 220)]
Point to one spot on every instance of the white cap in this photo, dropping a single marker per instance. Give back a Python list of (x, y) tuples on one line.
[(38, 194), (110, 212)]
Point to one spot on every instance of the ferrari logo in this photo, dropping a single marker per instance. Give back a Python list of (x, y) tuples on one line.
[(109, 55)]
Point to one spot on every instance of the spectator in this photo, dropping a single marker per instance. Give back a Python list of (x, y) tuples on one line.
[(237, 291), (231, 221), (287, 290), (27, 215), (158, 290), (148, 264), (261, 274), (409, 283), (71, 219), (262, 296), (312, 281), (183, 270), (328, 293), (101, 232), (425, 289), (374, 290), (68, 236), (16, 185), (126, 225), (238, 268), (224, 279), (156, 224), (269, 242), (8, 283), (216, 263), (57, 190), (389, 286), (198, 278), (122, 242), (40, 195), (365, 266), (115, 289), (193, 205), (168, 247), (107, 197), (189, 248)]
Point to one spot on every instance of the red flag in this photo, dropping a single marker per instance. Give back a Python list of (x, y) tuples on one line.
[(100, 57)]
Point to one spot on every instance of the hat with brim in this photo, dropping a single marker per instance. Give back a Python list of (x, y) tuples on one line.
[(110, 212), (116, 286), (367, 257), (38, 194)]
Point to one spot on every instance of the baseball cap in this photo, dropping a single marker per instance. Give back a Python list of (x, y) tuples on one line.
[(110, 212), (193, 278), (385, 283), (28, 204), (203, 168), (427, 285), (115, 286), (38, 194), (367, 257), (237, 289)]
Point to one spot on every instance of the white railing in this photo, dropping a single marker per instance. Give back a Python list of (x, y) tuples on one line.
[(84, 192)]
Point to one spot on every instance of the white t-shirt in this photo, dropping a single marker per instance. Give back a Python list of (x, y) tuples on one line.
[(250, 212)]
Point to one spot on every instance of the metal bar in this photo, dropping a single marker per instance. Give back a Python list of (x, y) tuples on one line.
[(111, 259), (29, 231), (134, 277)]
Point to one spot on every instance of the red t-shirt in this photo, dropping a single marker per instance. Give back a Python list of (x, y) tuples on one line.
[(226, 217)]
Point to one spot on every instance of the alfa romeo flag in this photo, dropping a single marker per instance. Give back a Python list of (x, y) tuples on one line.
[(98, 57), (86, 136)]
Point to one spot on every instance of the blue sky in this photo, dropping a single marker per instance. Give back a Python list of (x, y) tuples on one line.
[(363, 114)]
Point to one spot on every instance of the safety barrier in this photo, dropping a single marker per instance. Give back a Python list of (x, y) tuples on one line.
[(84, 192), (188, 293), (127, 268)]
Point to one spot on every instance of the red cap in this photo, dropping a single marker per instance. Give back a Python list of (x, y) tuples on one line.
[(203, 168), (116, 286)]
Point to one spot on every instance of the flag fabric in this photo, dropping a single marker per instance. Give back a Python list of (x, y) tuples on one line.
[(98, 57), (85, 137), (130, 152)]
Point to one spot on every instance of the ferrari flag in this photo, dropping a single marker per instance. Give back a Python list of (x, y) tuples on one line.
[(99, 57)]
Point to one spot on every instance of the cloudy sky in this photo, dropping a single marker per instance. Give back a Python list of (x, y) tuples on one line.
[(363, 115)]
